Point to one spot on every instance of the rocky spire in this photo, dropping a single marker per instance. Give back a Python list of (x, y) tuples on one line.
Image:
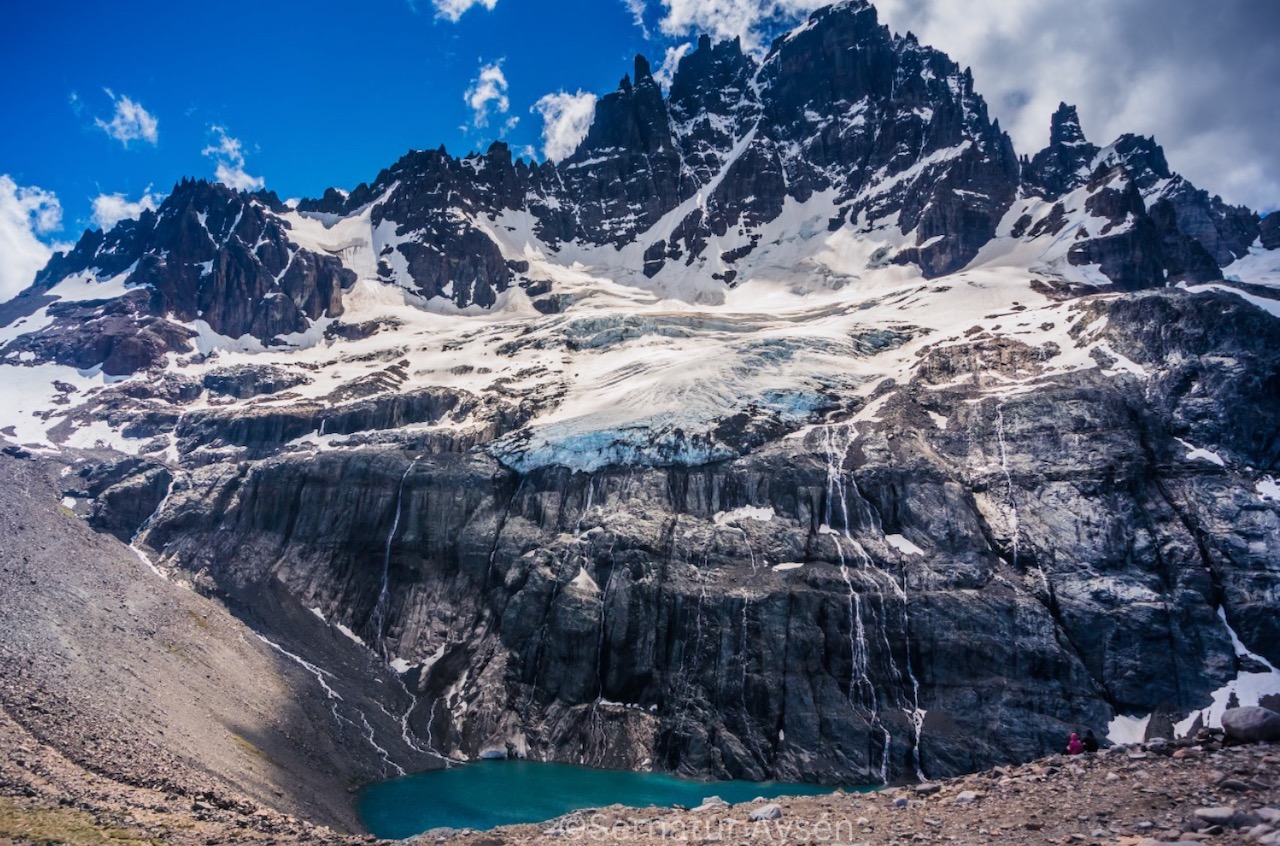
[(1065, 130), (1066, 163)]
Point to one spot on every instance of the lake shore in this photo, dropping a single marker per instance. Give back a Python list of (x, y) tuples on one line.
[(1125, 797), (1121, 797)]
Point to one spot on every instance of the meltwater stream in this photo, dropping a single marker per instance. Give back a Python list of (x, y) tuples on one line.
[(487, 794)]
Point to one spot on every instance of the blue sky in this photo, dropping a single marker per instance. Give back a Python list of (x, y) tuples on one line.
[(319, 93)]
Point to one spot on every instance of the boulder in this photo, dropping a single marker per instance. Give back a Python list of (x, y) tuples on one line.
[(1251, 724)]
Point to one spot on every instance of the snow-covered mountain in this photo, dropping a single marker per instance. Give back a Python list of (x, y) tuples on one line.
[(793, 426)]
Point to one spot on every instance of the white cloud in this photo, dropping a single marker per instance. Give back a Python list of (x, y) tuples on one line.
[(25, 215), (130, 122), (451, 10), (566, 119), (749, 20), (228, 154), (637, 9), (110, 209), (670, 62), (1125, 64), (488, 94)]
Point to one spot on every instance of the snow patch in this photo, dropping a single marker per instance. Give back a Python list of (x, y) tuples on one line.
[(747, 512), (1247, 688), (900, 543), (584, 583), (1199, 454), (352, 636), (1127, 730)]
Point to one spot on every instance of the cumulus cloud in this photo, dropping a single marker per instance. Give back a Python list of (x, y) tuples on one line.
[(487, 95), (228, 156), (110, 209), (670, 62), (565, 121), (130, 122), (751, 20), (451, 10), (28, 215), (637, 8)]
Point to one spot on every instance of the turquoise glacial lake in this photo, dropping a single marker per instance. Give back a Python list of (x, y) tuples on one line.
[(487, 794)]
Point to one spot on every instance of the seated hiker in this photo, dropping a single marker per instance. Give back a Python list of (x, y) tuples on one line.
[(1090, 742), (1074, 746)]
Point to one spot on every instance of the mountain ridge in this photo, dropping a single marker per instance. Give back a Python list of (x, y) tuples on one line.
[(792, 427)]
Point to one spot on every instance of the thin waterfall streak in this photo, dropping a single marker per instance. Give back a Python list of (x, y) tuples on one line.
[(604, 604), (837, 493), (1008, 481), (379, 608), (140, 536), (372, 737), (586, 509), (915, 714), (743, 652)]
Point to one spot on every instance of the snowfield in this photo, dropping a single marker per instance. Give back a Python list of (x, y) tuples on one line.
[(633, 369)]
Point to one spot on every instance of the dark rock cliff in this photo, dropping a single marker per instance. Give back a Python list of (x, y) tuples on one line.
[(858, 604)]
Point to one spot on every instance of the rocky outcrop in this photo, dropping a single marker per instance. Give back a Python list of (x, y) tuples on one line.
[(856, 602), (1251, 725), (209, 256), (1068, 161), (1175, 232), (1269, 231)]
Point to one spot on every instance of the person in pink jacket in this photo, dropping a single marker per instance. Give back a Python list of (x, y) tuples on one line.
[(1074, 746)]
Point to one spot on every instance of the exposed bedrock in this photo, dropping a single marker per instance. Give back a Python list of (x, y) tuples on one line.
[(1004, 567)]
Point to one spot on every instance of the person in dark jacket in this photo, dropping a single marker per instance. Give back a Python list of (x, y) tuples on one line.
[(1090, 742)]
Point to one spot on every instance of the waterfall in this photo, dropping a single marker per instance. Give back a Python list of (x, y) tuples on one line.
[(371, 736), (604, 605), (862, 692), (1014, 523), (379, 615), (586, 509), (915, 714), (135, 543), (1008, 482), (744, 654)]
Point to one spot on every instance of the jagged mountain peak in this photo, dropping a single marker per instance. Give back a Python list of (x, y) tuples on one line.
[(1066, 129), (842, 127), (767, 360)]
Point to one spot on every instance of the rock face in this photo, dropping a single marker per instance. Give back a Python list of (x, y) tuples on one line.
[(1168, 230), (930, 449), (1251, 725), (1068, 161), (854, 603), (209, 256)]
